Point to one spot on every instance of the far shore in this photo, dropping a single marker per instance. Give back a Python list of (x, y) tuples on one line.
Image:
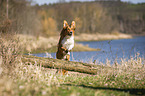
[(101, 37), (41, 44)]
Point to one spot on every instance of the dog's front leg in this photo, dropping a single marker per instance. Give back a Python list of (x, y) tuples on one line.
[(64, 49)]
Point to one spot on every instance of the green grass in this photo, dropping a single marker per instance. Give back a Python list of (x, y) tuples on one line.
[(67, 90)]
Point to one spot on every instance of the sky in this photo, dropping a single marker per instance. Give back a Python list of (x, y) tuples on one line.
[(40, 2)]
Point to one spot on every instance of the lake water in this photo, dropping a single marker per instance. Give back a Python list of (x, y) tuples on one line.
[(112, 50)]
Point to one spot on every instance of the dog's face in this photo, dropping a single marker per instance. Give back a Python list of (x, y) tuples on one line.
[(69, 30)]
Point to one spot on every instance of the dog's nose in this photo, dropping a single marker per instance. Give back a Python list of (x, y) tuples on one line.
[(70, 33)]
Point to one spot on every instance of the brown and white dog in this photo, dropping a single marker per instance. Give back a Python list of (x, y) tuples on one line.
[(66, 41)]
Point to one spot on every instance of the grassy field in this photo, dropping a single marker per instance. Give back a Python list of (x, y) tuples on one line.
[(22, 75), (41, 44), (34, 76)]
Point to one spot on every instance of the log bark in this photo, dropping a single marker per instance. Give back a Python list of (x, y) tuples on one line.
[(61, 64)]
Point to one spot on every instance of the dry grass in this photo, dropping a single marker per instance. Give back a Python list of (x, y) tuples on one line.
[(98, 37), (18, 78), (10, 51), (41, 44), (29, 78), (33, 43)]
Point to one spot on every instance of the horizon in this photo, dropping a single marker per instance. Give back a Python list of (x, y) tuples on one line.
[(41, 2)]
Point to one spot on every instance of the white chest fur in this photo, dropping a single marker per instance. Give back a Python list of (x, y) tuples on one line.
[(68, 43)]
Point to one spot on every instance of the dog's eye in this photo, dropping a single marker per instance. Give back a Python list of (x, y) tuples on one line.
[(73, 28)]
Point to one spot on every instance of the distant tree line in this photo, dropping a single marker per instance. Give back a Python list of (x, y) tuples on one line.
[(89, 17), (130, 17), (105, 16), (95, 17)]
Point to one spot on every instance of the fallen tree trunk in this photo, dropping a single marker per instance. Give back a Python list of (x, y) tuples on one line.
[(61, 64)]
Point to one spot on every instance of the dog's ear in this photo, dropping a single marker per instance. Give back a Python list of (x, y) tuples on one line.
[(65, 24), (73, 24)]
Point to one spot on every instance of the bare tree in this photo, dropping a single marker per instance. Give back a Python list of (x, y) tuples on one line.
[(7, 12)]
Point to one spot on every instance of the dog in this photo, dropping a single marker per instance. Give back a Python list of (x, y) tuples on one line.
[(66, 41)]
